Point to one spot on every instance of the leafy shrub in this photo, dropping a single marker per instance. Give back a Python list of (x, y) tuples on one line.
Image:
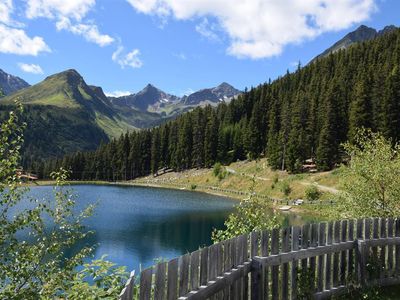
[(312, 193), (217, 169), (286, 189)]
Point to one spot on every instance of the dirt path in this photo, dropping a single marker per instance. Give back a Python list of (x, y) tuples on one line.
[(323, 188), (233, 171)]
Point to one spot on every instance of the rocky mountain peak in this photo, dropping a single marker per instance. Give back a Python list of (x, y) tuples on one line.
[(10, 84)]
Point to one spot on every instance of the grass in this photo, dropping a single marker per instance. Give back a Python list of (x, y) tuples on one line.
[(239, 177)]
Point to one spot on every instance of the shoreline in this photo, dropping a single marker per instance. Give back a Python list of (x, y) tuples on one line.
[(234, 197), (135, 184)]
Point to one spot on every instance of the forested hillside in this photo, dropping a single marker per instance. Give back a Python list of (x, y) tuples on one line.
[(304, 114)]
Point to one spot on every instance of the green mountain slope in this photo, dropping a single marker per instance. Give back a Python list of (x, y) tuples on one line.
[(64, 115)]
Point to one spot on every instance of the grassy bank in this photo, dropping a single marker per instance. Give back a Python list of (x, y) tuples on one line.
[(246, 175)]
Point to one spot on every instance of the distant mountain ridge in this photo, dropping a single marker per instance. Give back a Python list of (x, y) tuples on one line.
[(10, 84), (361, 34), (148, 97), (152, 99), (223, 92)]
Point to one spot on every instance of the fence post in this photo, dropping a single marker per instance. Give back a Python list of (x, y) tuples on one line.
[(361, 252), (257, 288), (127, 292)]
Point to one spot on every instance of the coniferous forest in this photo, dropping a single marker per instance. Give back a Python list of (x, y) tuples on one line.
[(304, 114)]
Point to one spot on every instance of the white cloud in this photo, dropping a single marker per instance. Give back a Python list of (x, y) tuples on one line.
[(76, 9), (207, 30), (16, 41), (6, 8), (89, 31), (30, 68), (130, 59), (262, 28), (118, 93), (69, 15)]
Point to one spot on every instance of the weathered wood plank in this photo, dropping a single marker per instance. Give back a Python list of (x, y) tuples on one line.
[(204, 266), (234, 290), (343, 254), (212, 262), (184, 274), (256, 277), (172, 282), (305, 243), (375, 235), (382, 256), (159, 283), (367, 228), (336, 239), (220, 265), (285, 266), (213, 287), (381, 242), (350, 265), (194, 282), (328, 266), (145, 284), (254, 243), (360, 235), (390, 248), (295, 263), (282, 258), (313, 260), (227, 265), (265, 236), (321, 258), (246, 255), (127, 293), (275, 269)]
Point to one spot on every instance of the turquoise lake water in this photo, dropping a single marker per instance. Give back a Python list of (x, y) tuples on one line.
[(136, 225)]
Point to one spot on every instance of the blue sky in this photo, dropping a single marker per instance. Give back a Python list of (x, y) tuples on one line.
[(177, 45)]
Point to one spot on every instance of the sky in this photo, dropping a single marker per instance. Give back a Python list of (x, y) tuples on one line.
[(180, 46)]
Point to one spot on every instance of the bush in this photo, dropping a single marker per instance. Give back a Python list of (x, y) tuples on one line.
[(193, 186), (312, 193), (286, 189), (217, 169), (370, 184)]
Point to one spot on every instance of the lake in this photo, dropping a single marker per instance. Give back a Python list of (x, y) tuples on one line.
[(135, 225)]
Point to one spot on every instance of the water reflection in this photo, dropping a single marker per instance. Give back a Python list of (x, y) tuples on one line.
[(135, 225)]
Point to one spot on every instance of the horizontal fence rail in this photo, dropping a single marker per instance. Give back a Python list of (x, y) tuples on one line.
[(315, 261)]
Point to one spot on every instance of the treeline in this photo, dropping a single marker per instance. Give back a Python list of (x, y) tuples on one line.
[(305, 114)]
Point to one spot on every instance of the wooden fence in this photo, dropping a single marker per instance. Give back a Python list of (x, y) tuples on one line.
[(313, 261)]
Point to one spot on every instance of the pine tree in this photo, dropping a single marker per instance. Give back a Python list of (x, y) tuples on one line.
[(360, 114), (327, 151), (391, 105)]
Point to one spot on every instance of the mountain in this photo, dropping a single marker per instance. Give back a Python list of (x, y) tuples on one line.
[(223, 92), (167, 106), (10, 84), (361, 34), (150, 98), (65, 115)]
